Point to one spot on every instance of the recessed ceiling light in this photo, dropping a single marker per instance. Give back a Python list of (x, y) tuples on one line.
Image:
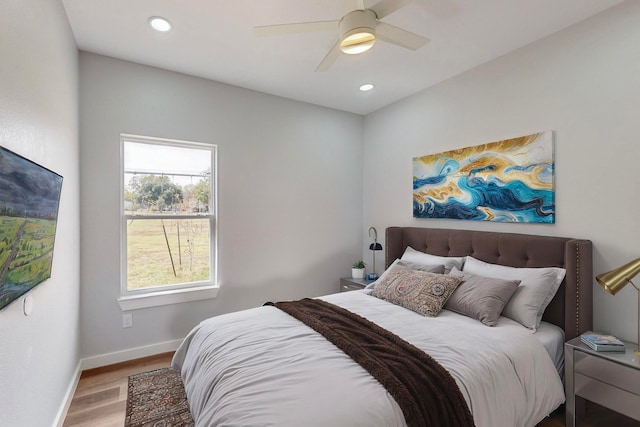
[(366, 87), (159, 24)]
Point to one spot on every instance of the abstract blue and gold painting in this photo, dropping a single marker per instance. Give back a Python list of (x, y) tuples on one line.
[(502, 181)]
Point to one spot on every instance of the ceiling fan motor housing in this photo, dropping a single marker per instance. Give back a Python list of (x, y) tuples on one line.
[(357, 31)]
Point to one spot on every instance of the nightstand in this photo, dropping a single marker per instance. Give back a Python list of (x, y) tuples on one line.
[(610, 379), (349, 284)]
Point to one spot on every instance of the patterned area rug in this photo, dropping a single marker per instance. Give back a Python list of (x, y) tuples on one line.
[(157, 399)]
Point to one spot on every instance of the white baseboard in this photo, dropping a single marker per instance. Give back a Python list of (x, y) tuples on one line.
[(109, 359), (68, 397), (129, 354)]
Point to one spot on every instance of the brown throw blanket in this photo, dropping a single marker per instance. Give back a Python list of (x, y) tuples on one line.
[(424, 390)]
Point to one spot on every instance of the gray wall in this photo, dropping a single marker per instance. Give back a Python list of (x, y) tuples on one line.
[(290, 194), (298, 188), (39, 120), (581, 83)]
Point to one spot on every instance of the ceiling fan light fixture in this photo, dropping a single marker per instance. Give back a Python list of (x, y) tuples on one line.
[(357, 31), (357, 41)]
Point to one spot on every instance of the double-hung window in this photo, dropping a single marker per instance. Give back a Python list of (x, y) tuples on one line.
[(168, 227)]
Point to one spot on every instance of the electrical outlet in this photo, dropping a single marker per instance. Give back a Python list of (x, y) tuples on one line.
[(127, 320)]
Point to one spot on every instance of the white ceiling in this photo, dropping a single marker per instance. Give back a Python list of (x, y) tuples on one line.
[(214, 39)]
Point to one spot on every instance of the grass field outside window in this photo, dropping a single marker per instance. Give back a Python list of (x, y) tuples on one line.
[(180, 257)]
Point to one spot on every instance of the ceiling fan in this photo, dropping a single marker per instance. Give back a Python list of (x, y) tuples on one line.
[(358, 30)]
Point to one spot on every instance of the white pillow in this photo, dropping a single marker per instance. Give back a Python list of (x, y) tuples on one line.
[(536, 290), (411, 255)]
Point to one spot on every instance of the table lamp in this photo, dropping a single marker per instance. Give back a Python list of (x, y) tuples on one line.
[(375, 246), (616, 279)]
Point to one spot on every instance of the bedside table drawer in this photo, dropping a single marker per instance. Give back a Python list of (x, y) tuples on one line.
[(348, 284), (349, 287), (607, 395), (606, 371)]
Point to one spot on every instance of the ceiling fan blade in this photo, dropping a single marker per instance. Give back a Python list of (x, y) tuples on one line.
[(330, 57), (299, 27), (387, 7), (399, 37)]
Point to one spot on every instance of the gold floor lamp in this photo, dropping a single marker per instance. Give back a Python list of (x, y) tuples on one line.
[(614, 280)]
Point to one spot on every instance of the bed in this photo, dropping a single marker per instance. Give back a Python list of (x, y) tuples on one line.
[(263, 367)]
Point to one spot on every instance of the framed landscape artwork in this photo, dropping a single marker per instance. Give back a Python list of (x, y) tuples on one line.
[(29, 199), (504, 181)]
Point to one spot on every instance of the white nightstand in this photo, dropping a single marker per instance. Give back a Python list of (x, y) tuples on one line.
[(349, 284), (610, 379)]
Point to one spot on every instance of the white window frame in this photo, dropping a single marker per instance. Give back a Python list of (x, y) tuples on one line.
[(169, 294)]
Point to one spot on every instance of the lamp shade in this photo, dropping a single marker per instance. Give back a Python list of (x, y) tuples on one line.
[(613, 281), (375, 247)]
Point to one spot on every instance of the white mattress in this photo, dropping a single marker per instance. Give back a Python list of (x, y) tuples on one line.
[(261, 367)]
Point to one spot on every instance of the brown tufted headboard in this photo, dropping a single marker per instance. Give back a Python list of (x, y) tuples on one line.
[(571, 308)]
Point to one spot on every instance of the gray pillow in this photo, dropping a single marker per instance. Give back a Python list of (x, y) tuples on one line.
[(419, 291), (438, 269), (536, 290), (481, 298), (417, 257)]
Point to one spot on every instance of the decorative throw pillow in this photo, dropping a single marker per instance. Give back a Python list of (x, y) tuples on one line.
[(438, 269), (419, 291), (481, 298), (536, 290), (418, 257)]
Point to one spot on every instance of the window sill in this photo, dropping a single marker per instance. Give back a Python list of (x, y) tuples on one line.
[(175, 296)]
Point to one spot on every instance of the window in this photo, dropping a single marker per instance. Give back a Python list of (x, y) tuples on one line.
[(168, 221)]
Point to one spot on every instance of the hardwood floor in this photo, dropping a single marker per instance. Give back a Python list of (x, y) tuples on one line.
[(554, 420), (101, 396)]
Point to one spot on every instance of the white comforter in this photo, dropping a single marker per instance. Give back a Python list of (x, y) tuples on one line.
[(261, 367)]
